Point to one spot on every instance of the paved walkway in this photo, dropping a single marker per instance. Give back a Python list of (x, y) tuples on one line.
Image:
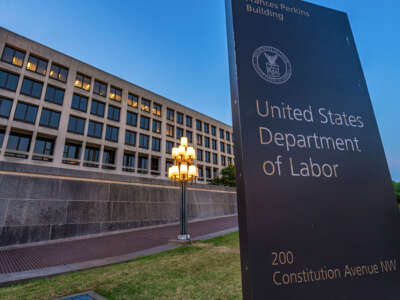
[(42, 260)]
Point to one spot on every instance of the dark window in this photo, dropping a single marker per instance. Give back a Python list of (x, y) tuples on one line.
[(198, 125), (44, 146), (228, 148), (13, 56), (145, 105), (228, 137), (189, 135), (131, 118), (130, 138), (97, 108), (109, 156), (143, 164), (156, 144), (100, 88), (115, 93), (206, 142), (156, 127), (170, 114), (179, 132), (223, 160), (54, 95), (95, 129), (72, 151), (76, 125), (2, 133), (201, 174), (79, 102), (5, 107), (189, 121), (156, 109), (8, 81), (229, 161), (145, 123), (19, 142), (199, 155), (206, 128), (168, 147), (214, 144), (82, 81), (26, 112), (49, 118), (92, 154), (112, 133), (215, 159), (37, 65), (170, 130), (144, 141), (179, 118), (207, 156), (221, 133), (215, 173), (208, 173), (199, 140), (133, 100), (59, 73), (32, 88), (168, 164), (155, 165), (222, 147), (213, 130), (129, 162), (113, 113)]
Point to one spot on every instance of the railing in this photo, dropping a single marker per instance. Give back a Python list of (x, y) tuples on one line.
[(143, 171), (16, 153), (128, 169), (71, 161), (155, 172), (43, 157), (106, 166), (90, 164)]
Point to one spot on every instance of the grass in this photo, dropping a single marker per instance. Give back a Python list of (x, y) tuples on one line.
[(204, 270)]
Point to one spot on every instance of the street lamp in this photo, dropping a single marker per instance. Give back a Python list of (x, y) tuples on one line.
[(183, 171)]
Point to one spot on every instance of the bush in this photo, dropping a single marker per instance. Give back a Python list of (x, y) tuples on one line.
[(227, 178)]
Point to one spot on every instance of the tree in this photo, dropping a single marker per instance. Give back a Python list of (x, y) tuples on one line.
[(227, 178), (396, 187)]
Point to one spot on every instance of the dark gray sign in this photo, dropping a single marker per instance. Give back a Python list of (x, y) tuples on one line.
[(317, 212)]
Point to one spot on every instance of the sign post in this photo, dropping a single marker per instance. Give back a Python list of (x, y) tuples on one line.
[(317, 213)]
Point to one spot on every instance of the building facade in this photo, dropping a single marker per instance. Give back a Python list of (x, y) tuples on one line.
[(60, 112)]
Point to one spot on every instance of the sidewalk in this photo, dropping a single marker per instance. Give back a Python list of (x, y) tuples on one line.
[(34, 261)]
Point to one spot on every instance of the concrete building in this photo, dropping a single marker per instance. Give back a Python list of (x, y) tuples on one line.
[(58, 111)]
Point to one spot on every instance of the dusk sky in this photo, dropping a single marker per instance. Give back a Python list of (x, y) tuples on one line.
[(178, 48)]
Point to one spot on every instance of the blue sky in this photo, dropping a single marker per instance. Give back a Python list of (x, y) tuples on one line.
[(178, 48)]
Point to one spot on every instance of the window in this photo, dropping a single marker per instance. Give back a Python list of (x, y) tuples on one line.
[(79, 102), (207, 156), (145, 105), (37, 65), (229, 161), (215, 173), (129, 162), (155, 144), (100, 88), (49, 118), (72, 151), (157, 109), (108, 157), (82, 82), (76, 125), (199, 155), (145, 123), (133, 100), (228, 148), (113, 113), (5, 107), (223, 160), (97, 108), (32, 88), (189, 135), (179, 118), (43, 146), (179, 132), (92, 154), (221, 133), (168, 147), (215, 159), (112, 133), (26, 112), (156, 127), (144, 141), (214, 144), (213, 130), (168, 163), (227, 135), (130, 138), (155, 166), (8, 81), (170, 130), (206, 142), (19, 142), (2, 133), (95, 129), (54, 95), (199, 140), (115, 94), (222, 147), (189, 121), (208, 173), (143, 164), (131, 118), (13, 56), (59, 73), (170, 114), (201, 173), (206, 128), (198, 125)]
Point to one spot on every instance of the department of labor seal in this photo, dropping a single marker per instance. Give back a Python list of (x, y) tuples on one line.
[(272, 65)]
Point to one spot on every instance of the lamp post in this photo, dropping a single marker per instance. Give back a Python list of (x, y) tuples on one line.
[(183, 171)]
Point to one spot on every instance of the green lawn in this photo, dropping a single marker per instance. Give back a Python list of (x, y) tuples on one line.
[(203, 270)]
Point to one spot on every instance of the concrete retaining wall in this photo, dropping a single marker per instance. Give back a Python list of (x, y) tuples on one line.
[(41, 203)]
